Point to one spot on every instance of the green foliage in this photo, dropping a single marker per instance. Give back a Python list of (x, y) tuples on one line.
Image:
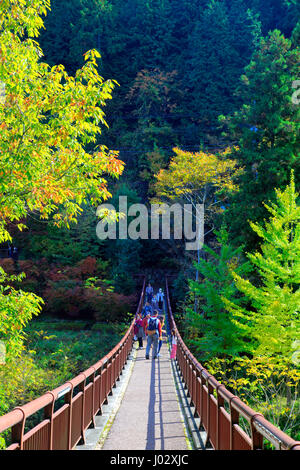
[(220, 46), (266, 130), (212, 331), (124, 253), (56, 351), (22, 380), (268, 385), (58, 244), (48, 120), (179, 64), (16, 310), (273, 317)]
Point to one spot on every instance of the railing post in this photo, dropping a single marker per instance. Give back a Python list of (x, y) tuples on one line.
[(48, 414), (209, 393), (17, 431), (82, 389), (220, 404), (257, 439), (201, 399), (234, 419), (68, 400), (195, 393)]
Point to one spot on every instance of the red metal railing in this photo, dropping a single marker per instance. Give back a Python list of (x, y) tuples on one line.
[(64, 428), (208, 397)]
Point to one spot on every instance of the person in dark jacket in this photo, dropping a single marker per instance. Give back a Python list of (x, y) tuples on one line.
[(149, 292), (160, 299), (153, 333), (147, 310)]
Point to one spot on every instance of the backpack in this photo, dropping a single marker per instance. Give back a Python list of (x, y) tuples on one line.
[(152, 326)]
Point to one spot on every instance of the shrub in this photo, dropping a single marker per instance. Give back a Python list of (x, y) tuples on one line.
[(268, 385), (109, 306)]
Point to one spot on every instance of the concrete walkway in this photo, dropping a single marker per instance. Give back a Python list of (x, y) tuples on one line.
[(148, 410), (149, 417)]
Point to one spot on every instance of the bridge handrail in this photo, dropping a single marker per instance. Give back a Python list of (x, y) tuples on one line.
[(208, 396), (64, 428)]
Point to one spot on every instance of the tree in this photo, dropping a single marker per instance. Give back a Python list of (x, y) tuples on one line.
[(199, 179), (266, 131), (43, 239), (273, 316), (151, 99), (16, 310), (213, 330), (49, 122), (276, 14), (124, 254), (73, 27), (220, 45)]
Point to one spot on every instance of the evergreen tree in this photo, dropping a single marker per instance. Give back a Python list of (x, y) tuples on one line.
[(57, 36), (213, 330), (266, 130), (124, 254), (276, 14), (73, 27), (273, 316), (220, 46)]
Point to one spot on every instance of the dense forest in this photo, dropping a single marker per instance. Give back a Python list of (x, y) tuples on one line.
[(177, 101)]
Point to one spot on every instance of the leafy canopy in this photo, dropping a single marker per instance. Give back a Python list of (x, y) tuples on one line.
[(266, 129), (190, 173), (49, 122)]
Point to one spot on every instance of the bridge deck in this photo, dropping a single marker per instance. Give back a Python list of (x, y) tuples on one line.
[(149, 417)]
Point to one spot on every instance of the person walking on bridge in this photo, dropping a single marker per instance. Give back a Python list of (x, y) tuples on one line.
[(154, 303), (149, 292), (153, 333), (147, 310), (139, 329), (174, 344), (160, 339), (160, 299)]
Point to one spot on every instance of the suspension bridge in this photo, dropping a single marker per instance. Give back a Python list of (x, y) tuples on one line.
[(126, 402)]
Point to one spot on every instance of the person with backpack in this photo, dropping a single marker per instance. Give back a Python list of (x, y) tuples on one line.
[(153, 333), (160, 299), (149, 292)]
